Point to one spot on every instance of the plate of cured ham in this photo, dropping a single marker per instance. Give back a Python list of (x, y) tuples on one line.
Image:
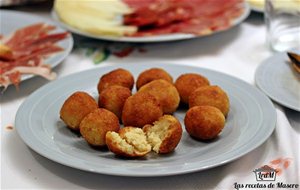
[(30, 46), (153, 20)]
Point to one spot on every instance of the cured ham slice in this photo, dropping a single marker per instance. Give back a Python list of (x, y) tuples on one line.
[(27, 48), (27, 33), (198, 17)]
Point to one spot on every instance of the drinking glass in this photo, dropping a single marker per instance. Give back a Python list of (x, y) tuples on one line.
[(282, 19)]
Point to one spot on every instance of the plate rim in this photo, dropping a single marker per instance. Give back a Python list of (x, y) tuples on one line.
[(63, 55), (261, 67), (180, 36), (18, 124)]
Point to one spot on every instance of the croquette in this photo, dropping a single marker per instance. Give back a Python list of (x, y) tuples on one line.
[(165, 92), (210, 96), (113, 98), (204, 122), (119, 77), (128, 142), (187, 83), (141, 109), (96, 124), (164, 135), (76, 107), (152, 74)]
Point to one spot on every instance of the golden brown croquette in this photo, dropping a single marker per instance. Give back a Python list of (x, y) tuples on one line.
[(113, 98), (152, 74), (165, 92), (189, 82), (141, 109), (76, 107), (204, 122), (96, 124), (210, 96), (119, 77)]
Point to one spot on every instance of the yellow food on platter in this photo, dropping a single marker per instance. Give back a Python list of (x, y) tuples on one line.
[(287, 5), (99, 17), (260, 4)]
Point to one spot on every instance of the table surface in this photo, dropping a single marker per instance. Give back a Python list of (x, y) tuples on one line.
[(237, 52)]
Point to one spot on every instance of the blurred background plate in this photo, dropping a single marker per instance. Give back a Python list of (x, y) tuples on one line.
[(278, 79), (155, 38), (13, 20)]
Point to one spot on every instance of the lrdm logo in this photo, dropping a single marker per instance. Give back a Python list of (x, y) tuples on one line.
[(269, 173), (265, 173)]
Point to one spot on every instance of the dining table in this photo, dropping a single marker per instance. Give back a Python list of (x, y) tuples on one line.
[(237, 52)]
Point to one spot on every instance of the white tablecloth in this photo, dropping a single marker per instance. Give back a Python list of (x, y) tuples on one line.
[(237, 52)]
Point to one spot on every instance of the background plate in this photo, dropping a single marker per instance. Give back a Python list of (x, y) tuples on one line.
[(157, 38), (276, 77), (13, 20), (250, 122)]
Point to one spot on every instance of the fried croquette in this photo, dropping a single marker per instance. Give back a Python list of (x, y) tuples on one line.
[(141, 109), (204, 122), (119, 77), (164, 135), (96, 124), (152, 74), (76, 107), (210, 96), (189, 82), (165, 92), (113, 98), (128, 142)]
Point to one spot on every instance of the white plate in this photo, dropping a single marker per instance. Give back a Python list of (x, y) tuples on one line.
[(276, 77), (250, 122), (156, 38), (13, 20)]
